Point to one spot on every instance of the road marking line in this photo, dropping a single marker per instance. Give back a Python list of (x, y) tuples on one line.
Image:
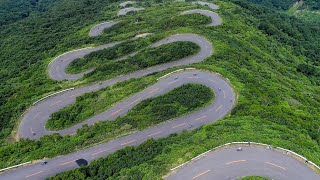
[(179, 125), (114, 113), (67, 162), (36, 115), (34, 174), (172, 82), (75, 94), (154, 91), (154, 133), (212, 80), (236, 161), (224, 94), (192, 77), (201, 174), (99, 152), (128, 142), (55, 103), (31, 130), (276, 165), (200, 118), (135, 101), (219, 108), (57, 68)]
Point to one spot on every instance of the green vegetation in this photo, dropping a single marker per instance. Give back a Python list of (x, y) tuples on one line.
[(90, 104), (270, 57), (147, 58), (180, 101), (254, 178)]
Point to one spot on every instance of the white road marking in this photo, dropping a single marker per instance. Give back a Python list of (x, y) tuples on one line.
[(34, 174), (276, 165), (232, 162), (201, 174)]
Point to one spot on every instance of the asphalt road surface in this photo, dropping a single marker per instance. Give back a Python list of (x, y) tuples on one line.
[(98, 29), (32, 125), (229, 164), (125, 11)]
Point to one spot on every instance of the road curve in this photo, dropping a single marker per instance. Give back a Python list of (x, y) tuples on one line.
[(215, 18), (34, 120), (125, 11), (98, 29), (210, 5), (221, 106), (229, 164)]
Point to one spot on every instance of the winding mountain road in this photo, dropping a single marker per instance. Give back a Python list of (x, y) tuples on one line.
[(229, 164), (33, 122)]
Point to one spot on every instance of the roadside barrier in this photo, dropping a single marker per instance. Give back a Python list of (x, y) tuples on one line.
[(15, 166), (52, 95), (166, 75), (287, 151)]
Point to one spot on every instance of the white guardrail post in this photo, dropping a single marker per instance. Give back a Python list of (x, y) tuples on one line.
[(53, 95), (251, 143), (15, 166)]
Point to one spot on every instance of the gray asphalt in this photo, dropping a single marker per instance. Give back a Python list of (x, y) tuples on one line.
[(219, 108), (210, 5), (215, 18), (125, 11), (98, 29), (229, 164), (34, 120)]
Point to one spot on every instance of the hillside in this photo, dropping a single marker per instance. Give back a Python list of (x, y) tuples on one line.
[(266, 49)]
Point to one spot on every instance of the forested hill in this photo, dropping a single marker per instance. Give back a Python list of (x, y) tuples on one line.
[(271, 57)]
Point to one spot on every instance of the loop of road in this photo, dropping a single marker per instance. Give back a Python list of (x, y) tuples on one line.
[(33, 122)]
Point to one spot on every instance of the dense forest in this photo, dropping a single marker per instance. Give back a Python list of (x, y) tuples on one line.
[(270, 57)]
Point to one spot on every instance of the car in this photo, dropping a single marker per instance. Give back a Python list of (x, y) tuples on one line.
[(239, 149), (44, 162), (176, 77)]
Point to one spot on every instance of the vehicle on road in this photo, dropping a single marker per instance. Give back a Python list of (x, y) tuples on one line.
[(239, 149), (44, 162)]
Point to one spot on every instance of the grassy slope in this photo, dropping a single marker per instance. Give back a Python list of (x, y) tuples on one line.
[(277, 105)]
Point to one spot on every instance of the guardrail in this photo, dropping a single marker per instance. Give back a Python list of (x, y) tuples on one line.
[(166, 75), (287, 151), (52, 95), (22, 164)]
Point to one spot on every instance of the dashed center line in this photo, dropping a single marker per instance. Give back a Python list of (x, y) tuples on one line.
[(154, 133), (99, 152), (172, 82), (67, 163), (224, 94), (276, 165), (114, 113), (154, 90), (36, 115), (128, 142), (219, 108), (135, 101), (192, 77), (232, 162), (178, 125), (34, 174), (201, 174), (55, 103), (200, 118)]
